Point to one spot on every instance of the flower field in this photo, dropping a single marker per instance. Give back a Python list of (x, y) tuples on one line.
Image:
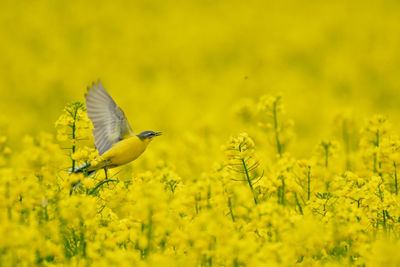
[(280, 142)]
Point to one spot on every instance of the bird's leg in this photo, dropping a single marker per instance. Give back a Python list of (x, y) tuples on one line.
[(105, 169)]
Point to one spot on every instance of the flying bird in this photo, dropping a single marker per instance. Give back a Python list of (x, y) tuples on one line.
[(113, 136)]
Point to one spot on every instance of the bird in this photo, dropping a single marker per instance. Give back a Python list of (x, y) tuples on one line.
[(113, 136)]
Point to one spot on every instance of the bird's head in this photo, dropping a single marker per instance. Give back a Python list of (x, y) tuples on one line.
[(147, 136)]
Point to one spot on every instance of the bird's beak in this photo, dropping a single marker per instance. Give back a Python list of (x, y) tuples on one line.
[(158, 133)]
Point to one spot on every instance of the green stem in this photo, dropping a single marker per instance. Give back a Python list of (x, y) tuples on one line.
[(249, 181), (73, 137), (384, 219), (149, 233), (326, 156), (231, 209), (209, 197), (395, 178), (309, 183), (298, 203), (101, 183), (278, 142), (380, 192), (377, 144), (197, 198), (82, 242), (279, 194), (283, 192), (346, 140)]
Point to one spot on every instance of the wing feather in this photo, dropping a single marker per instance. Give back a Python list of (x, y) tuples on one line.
[(109, 121)]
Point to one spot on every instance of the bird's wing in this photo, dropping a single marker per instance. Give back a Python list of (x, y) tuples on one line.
[(109, 121)]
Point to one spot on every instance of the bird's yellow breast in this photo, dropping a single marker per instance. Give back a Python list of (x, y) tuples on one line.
[(124, 151)]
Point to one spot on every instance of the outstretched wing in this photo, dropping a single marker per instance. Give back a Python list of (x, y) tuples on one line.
[(109, 121)]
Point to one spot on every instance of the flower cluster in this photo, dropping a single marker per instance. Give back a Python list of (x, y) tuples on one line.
[(270, 109), (5, 151), (249, 209)]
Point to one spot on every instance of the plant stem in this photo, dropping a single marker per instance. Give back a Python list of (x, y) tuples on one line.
[(309, 183), (377, 144), (149, 233), (283, 191), (384, 219), (298, 203), (395, 178), (326, 156), (278, 142), (249, 181), (346, 140), (231, 209), (73, 137), (101, 183)]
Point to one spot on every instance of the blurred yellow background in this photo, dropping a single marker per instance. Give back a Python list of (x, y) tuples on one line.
[(183, 67)]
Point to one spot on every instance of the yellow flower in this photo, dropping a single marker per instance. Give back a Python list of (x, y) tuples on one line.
[(88, 182)]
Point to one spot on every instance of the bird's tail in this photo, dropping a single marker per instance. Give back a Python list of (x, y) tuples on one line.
[(82, 168)]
